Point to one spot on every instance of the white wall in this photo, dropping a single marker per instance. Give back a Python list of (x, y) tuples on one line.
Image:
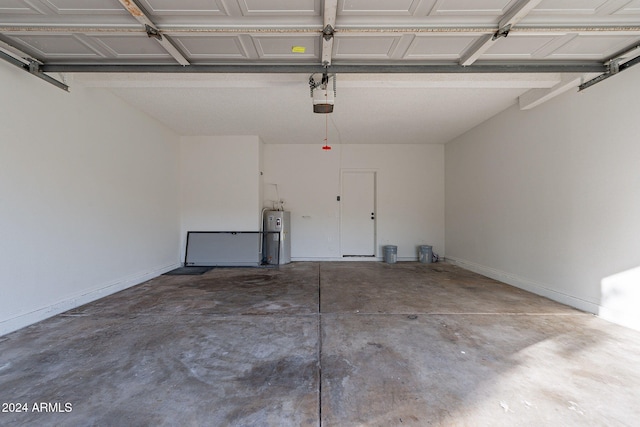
[(88, 197), (220, 182), (410, 194), (549, 199)]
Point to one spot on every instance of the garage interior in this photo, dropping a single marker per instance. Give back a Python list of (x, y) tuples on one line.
[(501, 132)]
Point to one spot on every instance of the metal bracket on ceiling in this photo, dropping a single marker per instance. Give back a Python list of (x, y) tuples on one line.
[(323, 82), (377, 68), (513, 16), (152, 32), (615, 66), (30, 65), (327, 32), (329, 22), (33, 67), (502, 32)]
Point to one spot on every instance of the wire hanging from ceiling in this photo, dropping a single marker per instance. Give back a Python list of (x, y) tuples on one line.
[(326, 145), (326, 133)]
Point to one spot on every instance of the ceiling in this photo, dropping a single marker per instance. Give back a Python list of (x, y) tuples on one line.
[(407, 71)]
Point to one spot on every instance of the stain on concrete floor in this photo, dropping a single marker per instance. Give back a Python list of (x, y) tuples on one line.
[(385, 345)]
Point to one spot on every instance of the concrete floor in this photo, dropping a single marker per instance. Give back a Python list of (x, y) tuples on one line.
[(331, 344)]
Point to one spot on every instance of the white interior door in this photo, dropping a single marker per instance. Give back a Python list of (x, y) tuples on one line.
[(358, 224)]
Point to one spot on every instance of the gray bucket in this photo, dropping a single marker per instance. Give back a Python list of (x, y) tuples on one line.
[(390, 254), (426, 254)]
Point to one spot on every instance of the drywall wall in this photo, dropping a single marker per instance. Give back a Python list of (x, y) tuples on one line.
[(89, 197), (409, 194), (547, 199), (220, 184)]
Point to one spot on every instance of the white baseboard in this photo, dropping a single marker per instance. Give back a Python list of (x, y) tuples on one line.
[(26, 319), (347, 259), (526, 284), (352, 258)]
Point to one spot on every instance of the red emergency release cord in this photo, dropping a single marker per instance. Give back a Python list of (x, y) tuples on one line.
[(326, 146)]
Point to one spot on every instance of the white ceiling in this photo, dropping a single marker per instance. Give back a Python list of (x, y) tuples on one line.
[(369, 108), (66, 35)]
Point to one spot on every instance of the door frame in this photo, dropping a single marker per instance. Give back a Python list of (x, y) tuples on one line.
[(375, 173)]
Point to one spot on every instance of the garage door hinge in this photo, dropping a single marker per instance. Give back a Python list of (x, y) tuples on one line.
[(502, 32), (327, 32), (152, 32)]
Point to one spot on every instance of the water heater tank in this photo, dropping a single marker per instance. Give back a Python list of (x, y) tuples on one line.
[(277, 239)]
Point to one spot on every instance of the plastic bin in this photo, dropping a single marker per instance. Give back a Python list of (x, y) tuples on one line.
[(390, 254), (426, 254)]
